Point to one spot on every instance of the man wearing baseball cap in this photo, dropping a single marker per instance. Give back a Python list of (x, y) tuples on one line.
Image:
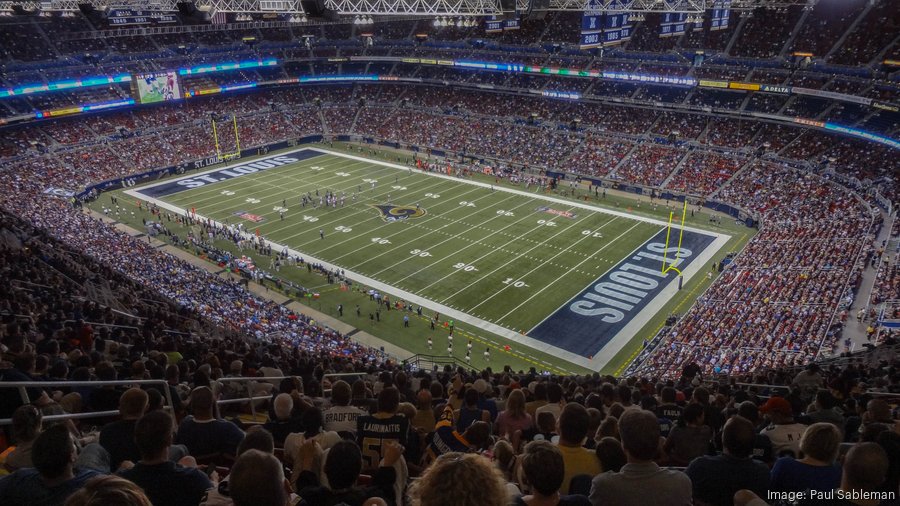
[(783, 431)]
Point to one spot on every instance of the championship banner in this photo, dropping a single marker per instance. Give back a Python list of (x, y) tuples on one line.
[(672, 24), (591, 29), (617, 25), (511, 24), (720, 15), (493, 24)]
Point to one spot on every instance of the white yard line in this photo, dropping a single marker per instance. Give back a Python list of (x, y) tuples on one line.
[(433, 231), (446, 257), (214, 190), (600, 359), (555, 200), (505, 264), (365, 209), (548, 285), (583, 238)]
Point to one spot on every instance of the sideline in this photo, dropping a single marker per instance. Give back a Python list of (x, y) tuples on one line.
[(345, 329), (596, 363)]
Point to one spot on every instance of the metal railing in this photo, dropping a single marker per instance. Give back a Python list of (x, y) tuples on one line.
[(430, 362), (23, 387)]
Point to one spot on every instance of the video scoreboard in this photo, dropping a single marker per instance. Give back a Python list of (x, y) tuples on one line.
[(156, 87)]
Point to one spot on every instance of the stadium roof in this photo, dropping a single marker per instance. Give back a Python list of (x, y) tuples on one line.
[(405, 7)]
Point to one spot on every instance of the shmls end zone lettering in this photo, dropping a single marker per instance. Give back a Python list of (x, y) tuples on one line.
[(226, 173), (592, 319)]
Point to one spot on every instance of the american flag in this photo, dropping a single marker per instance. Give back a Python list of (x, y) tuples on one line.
[(218, 18)]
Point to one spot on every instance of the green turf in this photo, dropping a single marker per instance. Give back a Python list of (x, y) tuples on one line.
[(468, 257), (489, 254)]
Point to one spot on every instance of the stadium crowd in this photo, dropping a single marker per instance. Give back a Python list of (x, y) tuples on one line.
[(342, 424)]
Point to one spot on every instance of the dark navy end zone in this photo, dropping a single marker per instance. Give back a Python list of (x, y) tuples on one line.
[(589, 321), (226, 173)]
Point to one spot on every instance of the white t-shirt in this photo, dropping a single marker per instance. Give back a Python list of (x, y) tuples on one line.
[(785, 437), (338, 418)]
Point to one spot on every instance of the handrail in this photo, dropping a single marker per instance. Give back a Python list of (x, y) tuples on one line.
[(24, 385), (99, 324), (249, 380)]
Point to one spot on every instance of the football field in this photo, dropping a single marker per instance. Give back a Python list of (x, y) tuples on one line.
[(570, 279)]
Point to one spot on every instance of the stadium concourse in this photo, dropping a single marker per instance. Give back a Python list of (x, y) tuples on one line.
[(126, 371)]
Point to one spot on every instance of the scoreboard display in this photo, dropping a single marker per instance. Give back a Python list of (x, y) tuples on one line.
[(156, 87)]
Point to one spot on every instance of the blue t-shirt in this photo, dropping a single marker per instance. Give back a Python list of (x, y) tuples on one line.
[(26, 488), (789, 475)]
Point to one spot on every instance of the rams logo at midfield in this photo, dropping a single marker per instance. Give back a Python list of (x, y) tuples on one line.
[(396, 213)]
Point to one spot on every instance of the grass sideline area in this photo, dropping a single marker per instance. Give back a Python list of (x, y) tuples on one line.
[(467, 234)]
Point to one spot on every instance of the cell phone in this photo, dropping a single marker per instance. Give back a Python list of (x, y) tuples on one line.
[(209, 470)]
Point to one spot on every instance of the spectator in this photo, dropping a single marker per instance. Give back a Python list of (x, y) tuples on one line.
[(424, 418), (554, 403), (809, 380), (690, 438), (542, 470), (342, 467), (118, 437), (668, 408), (514, 418), (53, 478), (782, 431), (460, 480), (284, 422), (26, 427), (539, 389), (257, 479), (762, 446), (865, 468), (447, 439), (469, 412), (641, 482), (817, 470), (341, 416), (311, 420), (372, 431), (166, 483), (256, 439), (202, 432), (573, 429), (610, 454), (715, 479), (109, 491), (825, 409)]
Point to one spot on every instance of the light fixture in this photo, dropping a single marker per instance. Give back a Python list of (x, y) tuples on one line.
[(436, 22)]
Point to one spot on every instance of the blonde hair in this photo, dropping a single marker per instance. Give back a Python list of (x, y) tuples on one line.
[(460, 479), (515, 404), (821, 441)]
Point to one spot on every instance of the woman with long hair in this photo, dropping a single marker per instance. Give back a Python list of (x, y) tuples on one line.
[(514, 418)]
